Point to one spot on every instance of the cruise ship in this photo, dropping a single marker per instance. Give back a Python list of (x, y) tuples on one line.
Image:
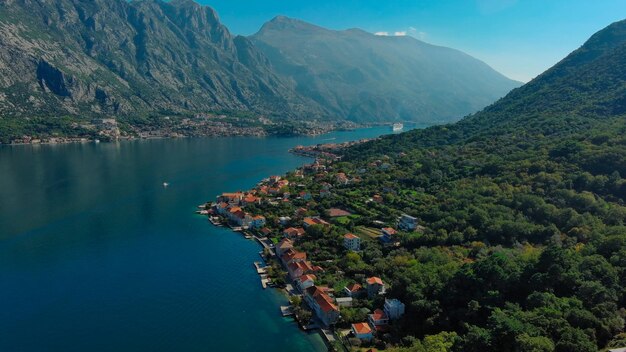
[(397, 127)]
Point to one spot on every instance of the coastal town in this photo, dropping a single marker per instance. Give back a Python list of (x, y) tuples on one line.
[(353, 310), (81, 130)]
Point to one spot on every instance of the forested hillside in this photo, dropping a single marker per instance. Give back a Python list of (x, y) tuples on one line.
[(523, 245)]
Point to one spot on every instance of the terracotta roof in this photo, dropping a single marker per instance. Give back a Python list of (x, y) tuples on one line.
[(284, 244), (374, 280), (315, 221), (389, 230), (294, 231), (362, 328), (322, 299), (250, 199), (292, 254), (350, 236), (354, 287), (304, 278), (379, 315)]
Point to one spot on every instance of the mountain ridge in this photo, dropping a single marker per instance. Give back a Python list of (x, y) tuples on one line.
[(358, 75), (94, 59)]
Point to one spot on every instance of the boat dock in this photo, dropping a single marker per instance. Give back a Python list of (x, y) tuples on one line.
[(262, 271), (286, 311), (215, 221)]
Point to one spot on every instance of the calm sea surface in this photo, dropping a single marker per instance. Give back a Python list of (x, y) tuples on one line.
[(96, 255)]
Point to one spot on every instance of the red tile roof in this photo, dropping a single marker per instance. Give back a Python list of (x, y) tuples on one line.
[(354, 287), (350, 236), (304, 278), (362, 328), (322, 299), (389, 230), (379, 315), (374, 280), (315, 221)]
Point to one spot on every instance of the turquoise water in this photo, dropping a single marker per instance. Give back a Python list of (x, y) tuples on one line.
[(96, 255)]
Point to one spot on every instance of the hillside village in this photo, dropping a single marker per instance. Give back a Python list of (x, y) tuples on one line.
[(288, 215)]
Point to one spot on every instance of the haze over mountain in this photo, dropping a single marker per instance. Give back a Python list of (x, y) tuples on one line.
[(363, 77), (120, 58), (523, 212), (586, 89)]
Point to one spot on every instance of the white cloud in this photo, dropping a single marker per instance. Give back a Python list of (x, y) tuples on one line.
[(382, 33)]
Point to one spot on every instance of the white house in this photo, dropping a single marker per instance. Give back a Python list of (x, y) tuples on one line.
[(394, 308), (344, 301), (352, 242)]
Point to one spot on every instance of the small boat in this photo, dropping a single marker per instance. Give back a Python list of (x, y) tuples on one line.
[(397, 127), (165, 184)]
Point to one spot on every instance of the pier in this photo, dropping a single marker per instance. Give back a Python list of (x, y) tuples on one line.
[(262, 271)]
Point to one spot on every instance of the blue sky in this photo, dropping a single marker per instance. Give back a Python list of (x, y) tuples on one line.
[(520, 38)]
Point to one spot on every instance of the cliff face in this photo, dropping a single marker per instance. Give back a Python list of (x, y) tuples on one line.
[(118, 57)]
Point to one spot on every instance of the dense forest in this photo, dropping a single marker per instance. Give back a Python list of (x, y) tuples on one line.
[(523, 238)]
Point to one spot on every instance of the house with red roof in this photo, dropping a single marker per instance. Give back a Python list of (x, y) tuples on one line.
[(291, 256), (251, 199), (354, 290), (388, 234), (306, 281), (297, 269), (375, 286), (342, 179), (352, 242), (378, 319), (293, 232), (322, 304), (283, 246), (231, 198), (308, 222), (362, 331)]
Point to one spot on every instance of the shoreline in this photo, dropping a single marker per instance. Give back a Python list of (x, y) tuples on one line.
[(261, 267), (284, 291)]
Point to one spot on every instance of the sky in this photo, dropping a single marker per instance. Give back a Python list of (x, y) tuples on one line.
[(519, 38)]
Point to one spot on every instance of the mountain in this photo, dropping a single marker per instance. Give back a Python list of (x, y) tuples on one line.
[(97, 58), (521, 244), (364, 77), (101, 57), (526, 198), (585, 90)]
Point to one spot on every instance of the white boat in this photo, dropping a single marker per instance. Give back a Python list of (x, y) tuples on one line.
[(397, 127), (165, 184)]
